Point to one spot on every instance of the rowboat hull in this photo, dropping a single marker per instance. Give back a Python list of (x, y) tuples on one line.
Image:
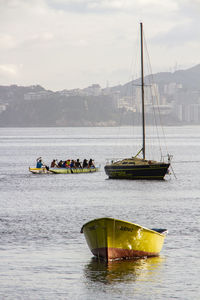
[(39, 170), (112, 239), (73, 170), (148, 171)]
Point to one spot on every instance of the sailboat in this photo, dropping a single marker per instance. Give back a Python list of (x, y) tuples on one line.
[(135, 167)]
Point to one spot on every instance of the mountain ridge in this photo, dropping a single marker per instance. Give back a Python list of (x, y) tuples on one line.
[(96, 106)]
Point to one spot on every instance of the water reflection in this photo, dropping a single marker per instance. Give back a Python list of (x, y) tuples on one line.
[(123, 271)]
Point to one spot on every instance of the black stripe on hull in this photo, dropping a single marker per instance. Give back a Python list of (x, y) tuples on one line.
[(152, 172)]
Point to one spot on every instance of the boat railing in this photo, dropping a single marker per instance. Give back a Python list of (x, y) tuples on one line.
[(110, 161), (164, 158), (160, 230), (167, 157)]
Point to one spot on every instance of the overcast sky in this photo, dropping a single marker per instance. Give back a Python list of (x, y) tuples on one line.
[(64, 44)]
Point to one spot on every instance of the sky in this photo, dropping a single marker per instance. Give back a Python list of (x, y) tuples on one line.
[(66, 44)]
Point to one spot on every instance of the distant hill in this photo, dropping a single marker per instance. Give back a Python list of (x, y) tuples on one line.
[(189, 79), (94, 106)]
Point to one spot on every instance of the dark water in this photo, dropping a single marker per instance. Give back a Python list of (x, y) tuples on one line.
[(42, 253)]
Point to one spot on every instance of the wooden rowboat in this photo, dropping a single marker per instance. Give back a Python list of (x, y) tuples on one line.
[(112, 239)]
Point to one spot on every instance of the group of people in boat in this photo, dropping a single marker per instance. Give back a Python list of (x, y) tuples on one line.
[(69, 163)]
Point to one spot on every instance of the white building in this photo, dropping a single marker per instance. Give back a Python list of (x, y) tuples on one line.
[(38, 95), (127, 103), (3, 107), (92, 90), (171, 88)]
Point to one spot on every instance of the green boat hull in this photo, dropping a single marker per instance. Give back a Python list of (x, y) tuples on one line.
[(152, 172)]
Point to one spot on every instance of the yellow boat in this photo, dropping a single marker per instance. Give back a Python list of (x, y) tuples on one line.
[(43, 170), (112, 239)]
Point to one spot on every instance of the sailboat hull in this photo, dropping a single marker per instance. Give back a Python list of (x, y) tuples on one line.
[(112, 239), (152, 171)]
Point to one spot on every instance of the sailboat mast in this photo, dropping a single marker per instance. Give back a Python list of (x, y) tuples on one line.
[(142, 91)]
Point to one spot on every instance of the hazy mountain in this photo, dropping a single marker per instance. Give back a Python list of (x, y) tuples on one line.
[(93, 106), (189, 79)]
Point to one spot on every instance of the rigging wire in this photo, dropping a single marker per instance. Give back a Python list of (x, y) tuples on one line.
[(129, 95), (132, 93), (156, 97)]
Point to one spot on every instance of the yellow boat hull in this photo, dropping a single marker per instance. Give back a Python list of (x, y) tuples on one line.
[(73, 170), (63, 170), (112, 239), (38, 170)]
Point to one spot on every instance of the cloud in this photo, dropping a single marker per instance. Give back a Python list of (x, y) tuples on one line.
[(38, 39), (87, 6), (185, 29), (8, 70), (178, 35), (7, 41), (111, 6), (71, 43)]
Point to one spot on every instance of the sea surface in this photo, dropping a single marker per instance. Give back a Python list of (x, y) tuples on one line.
[(43, 255)]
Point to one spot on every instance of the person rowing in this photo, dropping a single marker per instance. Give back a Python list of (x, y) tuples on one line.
[(53, 163), (60, 164), (78, 164), (85, 163), (91, 164), (72, 164), (40, 164)]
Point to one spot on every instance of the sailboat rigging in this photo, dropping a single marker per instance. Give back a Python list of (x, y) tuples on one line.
[(137, 168)]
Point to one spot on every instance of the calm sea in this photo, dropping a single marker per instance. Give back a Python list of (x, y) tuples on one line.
[(42, 253)]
